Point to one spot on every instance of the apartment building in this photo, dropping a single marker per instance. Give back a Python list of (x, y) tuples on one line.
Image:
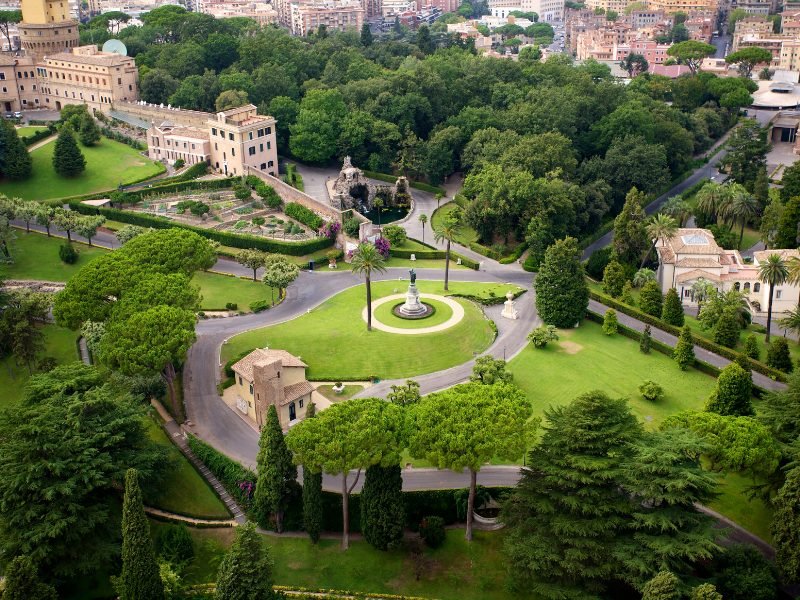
[(307, 16), (261, 12), (548, 10), (686, 6)]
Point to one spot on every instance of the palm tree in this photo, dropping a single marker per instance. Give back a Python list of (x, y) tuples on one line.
[(743, 207), (423, 218), (772, 272), (642, 276), (677, 208), (792, 321), (660, 228), (377, 204), (448, 230), (367, 259), (709, 199), (701, 290)]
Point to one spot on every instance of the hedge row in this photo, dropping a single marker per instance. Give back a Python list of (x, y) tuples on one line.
[(179, 186), (434, 255), (491, 301), (41, 134), (414, 184), (122, 138), (731, 355), (193, 172), (229, 472), (225, 238), (514, 256), (305, 215)]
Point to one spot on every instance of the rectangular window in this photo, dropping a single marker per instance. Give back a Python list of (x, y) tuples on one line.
[(2, 76), (233, 151), (269, 145), (261, 147), (251, 151), (240, 380), (777, 294), (230, 136), (22, 88), (269, 130), (251, 389), (270, 163), (213, 131), (250, 135)]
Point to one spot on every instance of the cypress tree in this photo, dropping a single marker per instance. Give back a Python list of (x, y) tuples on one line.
[(22, 582), (140, 578), (684, 350), (787, 226), (705, 591), (778, 356), (67, 158), (15, 162), (627, 294), (245, 572), (613, 279), (89, 132), (664, 586), (312, 495), (672, 312), (366, 35), (562, 295), (751, 348), (610, 323), (382, 507), (645, 340), (630, 229), (277, 473), (726, 331), (650, 299), (732, 394), (786, 527)]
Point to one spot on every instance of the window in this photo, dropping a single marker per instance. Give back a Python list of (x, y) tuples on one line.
[(270, 163), (230, 136), (22, 88), (250, 135), (263, 166), (736, 286), (301, 403), (233, 151), (747, 287), (251, 389), (2, 76), (777, 294), (756, 287), (269, 145), (240, 380), (251, 151), (269, 130)]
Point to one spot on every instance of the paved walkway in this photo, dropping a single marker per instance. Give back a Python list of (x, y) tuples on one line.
[(169, 516)]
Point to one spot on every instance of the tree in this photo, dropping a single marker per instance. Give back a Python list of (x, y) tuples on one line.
[(634, 64), (63, 452), (627, 294), (245, 572), (785, 527), (770, 222), (350, 435), (744, 573), (27, 211), (424, 41), (447, 231), (231, 99), (312, 494), (772, 272), (22, 581), (157, 85), (610, 323), (562, 295), (746, 59), (89, 132), (489, 370), (88, 226), (705, 591), (68, 220), (691, 53), (614, 279), (316, 131), (559, 539), (366, 35), (744, 207), (466, 426), (395, 234), (664, 586), (7, 19), (672, 312), (67, 158), (645, 341), (684, 351), (152, 341), (630, 230), (787, 234), (702, 290), (382, 507), (650, 299), (252, 259), (277, 475), (23, 312), (751, 348), (543, 335), (642, 276), (45, 217), (423, 218), (778, 356), (726, 331), (732, 396), (365, 260), (126, 233), (404, 395), (279, 273), (15, 162), (660, 229), (140, 578), (747, 151)]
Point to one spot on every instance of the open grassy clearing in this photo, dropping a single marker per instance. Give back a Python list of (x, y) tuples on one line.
[(108, 164), (59, 342), (36, 257), (333, 338), (218, 290), (184, 490), (456, 571), (384, 313), (466, 234), (27, 130), (348, 392)]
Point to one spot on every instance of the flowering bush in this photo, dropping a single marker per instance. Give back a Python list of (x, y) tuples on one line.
[(331, 229), (382, 245)]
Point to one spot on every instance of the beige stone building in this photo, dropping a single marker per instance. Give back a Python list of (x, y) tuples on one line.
[(686, 6), (692, 255), (267, 378), (306, 16), (47, 27)]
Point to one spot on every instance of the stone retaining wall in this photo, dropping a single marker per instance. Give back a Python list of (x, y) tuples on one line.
[(158, 114)]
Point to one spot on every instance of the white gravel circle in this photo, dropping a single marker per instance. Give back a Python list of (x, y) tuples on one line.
[(458, 314)]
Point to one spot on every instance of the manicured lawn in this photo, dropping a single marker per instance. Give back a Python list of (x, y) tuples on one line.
[(413, 246), (218, 290), (456, 571), (585, 359), (734, 502), (385, 315), (36, 257), (333, 339), (750, 239), (60, 343), (108, 164), (185, 491), (348, 392), (28, 130), (466, 234)]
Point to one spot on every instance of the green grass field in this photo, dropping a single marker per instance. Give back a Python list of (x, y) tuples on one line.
[(218, 290), (184, 491), (457, 571), (28, 130), (60, 343), (733, 502), (108, 164), (36, 257), (385, 315), (466, 234), (334, 342), (348, 392)]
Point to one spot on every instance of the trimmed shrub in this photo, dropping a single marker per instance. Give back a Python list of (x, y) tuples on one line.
[(598, 260), (543, 335), (431, 529), (672, 311), (751, 348), (645, 341), (179, 164), (650, 390), (67, 253), (613, 279), (684, 351), (395, 234), (627, 295), (238, 481), (174, 544), (778, 356), (305, 215), (651, 300), (259, 305), (732, 394), (610, 323), (726, 331)]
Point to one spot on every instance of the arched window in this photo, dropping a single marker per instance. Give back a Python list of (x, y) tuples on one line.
[(756, 287), (736, 286), (747, 287)]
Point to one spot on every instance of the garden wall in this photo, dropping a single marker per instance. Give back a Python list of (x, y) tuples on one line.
[(290, 194), (153, 112)]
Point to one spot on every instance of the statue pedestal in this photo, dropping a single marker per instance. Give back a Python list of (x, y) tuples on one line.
[(412, 306), (509, 312)]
